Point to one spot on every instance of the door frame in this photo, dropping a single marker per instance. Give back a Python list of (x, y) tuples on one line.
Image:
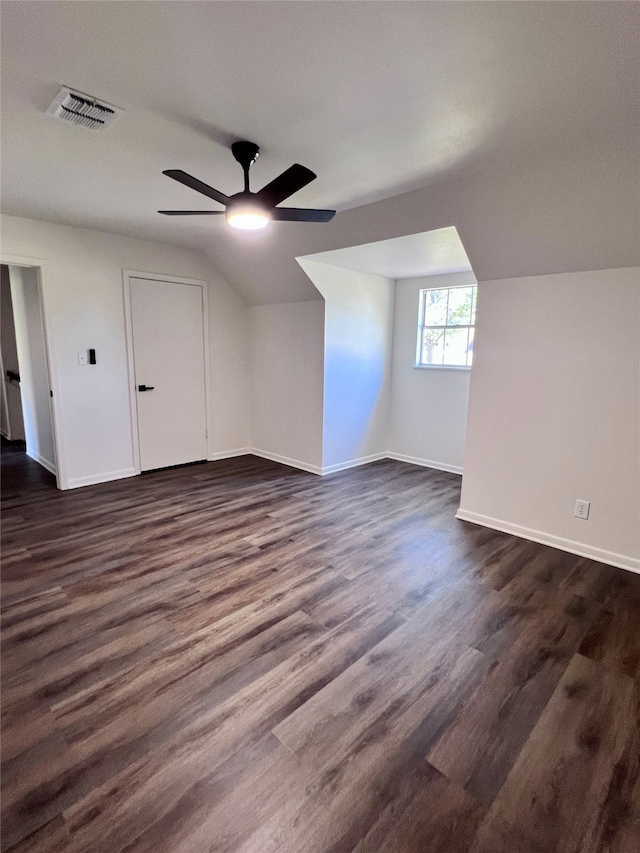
[(42, 274), (127, 275)]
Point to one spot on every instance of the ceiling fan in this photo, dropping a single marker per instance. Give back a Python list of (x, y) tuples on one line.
[(249, 210)]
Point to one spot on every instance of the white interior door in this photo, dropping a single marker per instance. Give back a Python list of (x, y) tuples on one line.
[(168, 350)]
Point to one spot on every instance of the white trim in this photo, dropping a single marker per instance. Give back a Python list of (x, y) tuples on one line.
[(42, 461), (422, 299), (285, 460), (42, 272), (5, 401), (131, 378), (207, 364), (340, 466), (275, 457), (96, 479), (127, 275), (425, 463), (295, 463), (620, 561), (156, 276), (466, 367), (353, 463), (229, 454)]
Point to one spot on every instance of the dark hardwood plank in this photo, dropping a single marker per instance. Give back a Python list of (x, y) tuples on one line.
[(242, 657), (214, 734), (480, 747), (223, 809), (428, 814), (556, 796), (614, 639), (335, 810), (53, 837), (412, 662)]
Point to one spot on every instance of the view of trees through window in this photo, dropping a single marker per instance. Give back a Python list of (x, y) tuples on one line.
[(447, 318)]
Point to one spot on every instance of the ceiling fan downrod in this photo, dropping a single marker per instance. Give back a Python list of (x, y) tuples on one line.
[(246, 153)]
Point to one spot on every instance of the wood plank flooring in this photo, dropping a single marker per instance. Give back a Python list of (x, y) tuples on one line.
[(244, 658)]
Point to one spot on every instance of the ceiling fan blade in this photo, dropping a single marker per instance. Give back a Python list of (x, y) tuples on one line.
[(286, 184), (298, 214), (192, 212), (195, 184)]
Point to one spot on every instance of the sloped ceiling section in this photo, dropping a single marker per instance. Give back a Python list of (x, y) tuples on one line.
[(580, 213), (515, 122)]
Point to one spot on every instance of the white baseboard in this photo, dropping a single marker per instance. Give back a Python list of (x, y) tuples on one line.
[(44, 462), (78, 482), (424, 463), (353, 463), (228, 454), (107, 477), (620, 561), (285, 460)]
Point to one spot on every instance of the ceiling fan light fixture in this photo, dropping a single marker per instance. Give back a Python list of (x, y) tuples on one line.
[(247, 216), (250, 211)]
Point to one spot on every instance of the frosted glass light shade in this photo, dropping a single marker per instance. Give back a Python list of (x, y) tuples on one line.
[(248, 217)]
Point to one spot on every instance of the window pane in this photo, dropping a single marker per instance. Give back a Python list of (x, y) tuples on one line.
[(473, 306), (455, 346), (435, 307), (432, 346), (460, 299), (470, 347)]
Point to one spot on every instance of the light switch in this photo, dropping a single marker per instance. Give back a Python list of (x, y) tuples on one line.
[(83, 358)]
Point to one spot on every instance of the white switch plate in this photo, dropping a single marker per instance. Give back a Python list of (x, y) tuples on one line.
[(582, 509), (83, 358)]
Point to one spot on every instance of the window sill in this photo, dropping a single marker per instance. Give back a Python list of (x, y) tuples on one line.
[(441, 367)]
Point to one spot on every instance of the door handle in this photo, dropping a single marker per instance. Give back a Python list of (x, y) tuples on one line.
[(145, 387)]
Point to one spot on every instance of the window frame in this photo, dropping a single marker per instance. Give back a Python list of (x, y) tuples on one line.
[(422, 297)]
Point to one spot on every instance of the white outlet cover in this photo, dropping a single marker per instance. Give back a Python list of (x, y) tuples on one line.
[(582, 509)]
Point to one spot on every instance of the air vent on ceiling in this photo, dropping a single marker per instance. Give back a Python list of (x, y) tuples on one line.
[(82, 110)]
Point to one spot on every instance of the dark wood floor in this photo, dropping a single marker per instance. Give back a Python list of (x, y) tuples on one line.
[(239, 656)]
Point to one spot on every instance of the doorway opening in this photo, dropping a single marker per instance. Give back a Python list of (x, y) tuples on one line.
[(26, 417)]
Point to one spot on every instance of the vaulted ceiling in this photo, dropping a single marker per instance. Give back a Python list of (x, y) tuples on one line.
[(515, 122)]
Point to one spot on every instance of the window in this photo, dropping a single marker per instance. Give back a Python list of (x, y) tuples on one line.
[(446, 326)]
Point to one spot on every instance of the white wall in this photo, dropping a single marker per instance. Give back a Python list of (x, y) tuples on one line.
[(32, 360), (554, 411), (428, 412), (376, 402), (83, 293), (357, 362), (287, 366)]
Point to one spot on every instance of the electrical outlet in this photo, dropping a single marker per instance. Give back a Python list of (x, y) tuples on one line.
[(582, 509)]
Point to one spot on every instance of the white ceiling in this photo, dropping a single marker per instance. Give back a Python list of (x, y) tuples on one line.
[(377, 98), (438, 252)]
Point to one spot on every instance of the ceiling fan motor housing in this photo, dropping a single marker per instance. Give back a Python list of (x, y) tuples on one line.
[(246, 197), (245, 153)]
